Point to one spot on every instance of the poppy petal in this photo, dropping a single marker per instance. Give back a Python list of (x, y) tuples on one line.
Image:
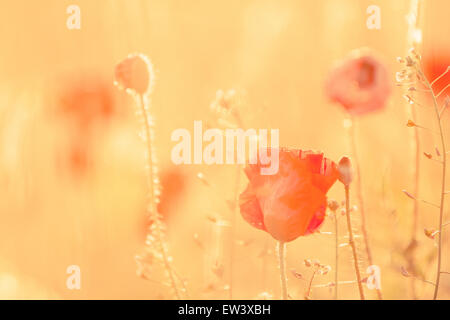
[(250, 209), (316, 221)]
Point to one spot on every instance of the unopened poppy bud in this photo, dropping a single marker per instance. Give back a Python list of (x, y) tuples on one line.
[(135, 74), (345, 171), (307, 263)]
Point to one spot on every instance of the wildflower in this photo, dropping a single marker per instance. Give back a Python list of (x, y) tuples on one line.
[(135, 74), (360, 84), (86, 106), (437, 64), (292, 202)]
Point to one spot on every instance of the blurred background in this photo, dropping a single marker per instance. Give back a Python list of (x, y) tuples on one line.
[(72, 175)]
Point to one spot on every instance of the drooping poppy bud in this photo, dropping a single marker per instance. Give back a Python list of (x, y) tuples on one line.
[(345, 171), (135, 74)]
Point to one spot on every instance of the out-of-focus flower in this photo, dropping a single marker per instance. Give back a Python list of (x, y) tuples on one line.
[(85, 106), (135, 74), (87, 102), (435, 64), (292, 202), (360, 83)]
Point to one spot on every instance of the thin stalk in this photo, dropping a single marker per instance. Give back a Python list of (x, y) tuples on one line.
[(282, 262), (308, 292), (336, 264), (351, 241), (361, 198), (152, 197), (416, 190), (233, 223), (443, 192)]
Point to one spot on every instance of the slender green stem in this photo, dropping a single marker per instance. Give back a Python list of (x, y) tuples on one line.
[(336, 278), (361, 198), (415, 224), (233, 227), (152, 202), (351, 241), (308, 292), (444, 168), (282, 262)]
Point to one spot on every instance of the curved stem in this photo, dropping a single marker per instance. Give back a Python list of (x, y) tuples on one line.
[(361, 198), (282, 260), (152, 200), (443, 192), (351, 241)]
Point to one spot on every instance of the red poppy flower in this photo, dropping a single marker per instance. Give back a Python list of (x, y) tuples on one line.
[(86, 106), (435, 64), (360, 84), (292, 202)]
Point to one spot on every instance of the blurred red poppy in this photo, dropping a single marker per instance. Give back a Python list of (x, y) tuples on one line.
[(360, 83), (86, 106), (435, 64), (292, 202)]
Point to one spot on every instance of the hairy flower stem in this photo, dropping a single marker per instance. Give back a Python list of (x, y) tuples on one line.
[(282, 262), (444, 169), (336, 278), (361, 198), (233, 227), (152, 194), (351, 241)]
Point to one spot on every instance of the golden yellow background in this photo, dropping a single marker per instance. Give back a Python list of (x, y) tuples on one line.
[(278, 53)]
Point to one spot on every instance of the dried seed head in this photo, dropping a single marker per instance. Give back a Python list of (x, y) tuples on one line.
[(438, 153), (410, 62), (307, 263), (411, 124), (409, 195), (333, 205), (414, 53), (404, 272), (135, 74), (326, 269), (409, 99), (345, 171), (428, 155), (431, 233), (297, 274)]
